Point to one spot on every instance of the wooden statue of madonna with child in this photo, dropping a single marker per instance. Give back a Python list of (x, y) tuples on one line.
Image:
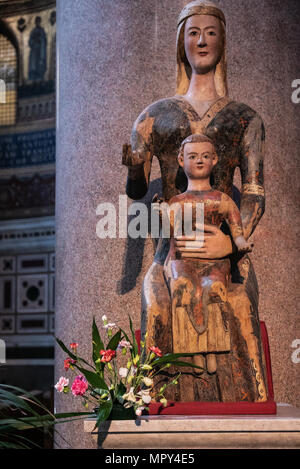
[(201, 296)]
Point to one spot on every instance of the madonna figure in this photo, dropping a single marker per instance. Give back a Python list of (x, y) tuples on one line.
[(202, 106)]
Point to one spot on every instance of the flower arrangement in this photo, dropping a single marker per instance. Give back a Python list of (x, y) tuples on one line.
[(108, 387)]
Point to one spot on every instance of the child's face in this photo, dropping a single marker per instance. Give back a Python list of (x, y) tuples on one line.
[(198, 160)]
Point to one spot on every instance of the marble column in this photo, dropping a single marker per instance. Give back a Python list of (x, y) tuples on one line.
[(115, 58)]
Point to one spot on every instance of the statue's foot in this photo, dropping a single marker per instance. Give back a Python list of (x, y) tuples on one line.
[(199, 360), (211, 363)]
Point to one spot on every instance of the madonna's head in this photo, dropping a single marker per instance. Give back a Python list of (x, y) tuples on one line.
[(201, 45)]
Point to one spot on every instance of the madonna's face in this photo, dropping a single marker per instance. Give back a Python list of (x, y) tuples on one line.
[(203, 42)]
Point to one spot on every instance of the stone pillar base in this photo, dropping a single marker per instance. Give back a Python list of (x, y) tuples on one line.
[(202, 432)]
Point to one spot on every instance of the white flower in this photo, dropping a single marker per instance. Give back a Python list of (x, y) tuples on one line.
[(133, 371), (110, 325), (104, 318), (145, 396), (61, 384), (130, 395), (148, 381), (139, 411), (147, 399), (123, 372)]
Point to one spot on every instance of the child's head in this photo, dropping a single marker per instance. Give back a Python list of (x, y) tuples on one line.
[(197, 156)]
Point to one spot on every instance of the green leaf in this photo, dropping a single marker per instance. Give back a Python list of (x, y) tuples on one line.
[(20, 442), (114, 341), (24, 423), (191, 365), (65, 349), (71, 355), (16, 398), (170, 357), (93, 378), (72, 414), (18, 403), (126, 337), (99, 391), (22, 401), (6, 445), (97, 343), (135, 346), (103, 413), (43, 421), (121, 389)]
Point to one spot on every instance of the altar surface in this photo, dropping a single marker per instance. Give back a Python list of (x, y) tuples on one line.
[(278, 431)]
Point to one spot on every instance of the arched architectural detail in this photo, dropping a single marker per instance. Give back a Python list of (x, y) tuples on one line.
[(9, 73)]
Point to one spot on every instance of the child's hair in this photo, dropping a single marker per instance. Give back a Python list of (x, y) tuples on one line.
[(195, 138)]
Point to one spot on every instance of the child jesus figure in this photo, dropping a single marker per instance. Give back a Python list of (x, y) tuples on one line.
[(198, 287)]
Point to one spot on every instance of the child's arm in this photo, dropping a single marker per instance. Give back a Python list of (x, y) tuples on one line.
[(232, 216)]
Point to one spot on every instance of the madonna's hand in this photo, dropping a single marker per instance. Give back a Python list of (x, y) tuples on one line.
[(216, 245)]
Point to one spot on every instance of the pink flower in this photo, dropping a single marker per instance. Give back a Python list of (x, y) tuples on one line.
[(79, 386), (61, 384), (107, 355), (110, 325), (156, 350), (124, 344), (139, 411)]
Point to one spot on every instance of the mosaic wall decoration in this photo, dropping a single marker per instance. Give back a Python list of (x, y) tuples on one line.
[(7, 325), (27, 294), (7, 291), (27, 110), (31, 148), (8, 73)]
